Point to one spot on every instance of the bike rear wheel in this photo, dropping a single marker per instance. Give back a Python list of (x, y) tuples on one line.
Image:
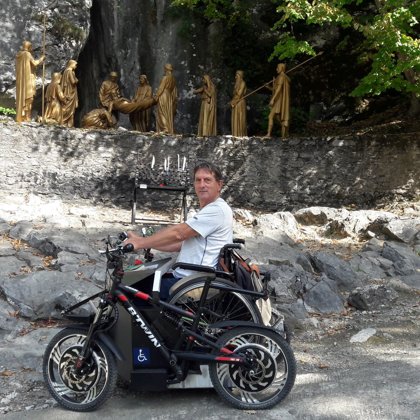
[(220, 305), (266, 381), (78, 391)]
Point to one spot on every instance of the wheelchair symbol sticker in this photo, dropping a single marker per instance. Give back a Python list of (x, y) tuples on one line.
[(141, 356)]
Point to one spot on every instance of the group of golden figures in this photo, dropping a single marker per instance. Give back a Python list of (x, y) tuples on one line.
[(61, 100)]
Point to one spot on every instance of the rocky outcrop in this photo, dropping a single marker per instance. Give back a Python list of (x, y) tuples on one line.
[(67, 26), (47, 266)]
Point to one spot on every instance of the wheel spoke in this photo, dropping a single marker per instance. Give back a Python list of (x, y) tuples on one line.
[(263, 381), (56, 355), (62, 389), (247, 397), (91, 395)]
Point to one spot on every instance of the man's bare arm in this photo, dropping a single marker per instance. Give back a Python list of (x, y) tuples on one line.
[(169, 239)]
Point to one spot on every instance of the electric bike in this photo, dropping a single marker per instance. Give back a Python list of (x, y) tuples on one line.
[(158, 345)]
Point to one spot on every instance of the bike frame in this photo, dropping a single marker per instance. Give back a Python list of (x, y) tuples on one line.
[(125, 295)]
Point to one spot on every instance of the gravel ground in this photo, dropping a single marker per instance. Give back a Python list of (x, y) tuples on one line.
[(337, 378)]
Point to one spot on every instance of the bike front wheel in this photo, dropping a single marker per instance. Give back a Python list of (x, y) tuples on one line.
[(265, 380), (82, 389)]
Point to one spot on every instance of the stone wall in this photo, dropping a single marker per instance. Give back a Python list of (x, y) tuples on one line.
[(261, 174)]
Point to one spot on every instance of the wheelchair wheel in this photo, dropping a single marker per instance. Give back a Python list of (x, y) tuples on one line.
[(220, 305)]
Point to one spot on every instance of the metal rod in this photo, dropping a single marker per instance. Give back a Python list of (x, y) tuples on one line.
[(293, 68), (43, 69)]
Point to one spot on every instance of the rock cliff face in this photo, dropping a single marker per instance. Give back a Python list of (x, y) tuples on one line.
[(134, 37), (128, 36), (67, 26), (140, 36)]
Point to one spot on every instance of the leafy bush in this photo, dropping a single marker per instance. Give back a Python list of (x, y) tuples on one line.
[(7, 111), (389, 30)]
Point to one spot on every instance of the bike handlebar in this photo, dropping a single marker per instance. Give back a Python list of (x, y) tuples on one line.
[(122, 236), (128, 248)]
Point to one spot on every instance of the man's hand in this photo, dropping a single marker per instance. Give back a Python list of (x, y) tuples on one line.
[(135, 240)]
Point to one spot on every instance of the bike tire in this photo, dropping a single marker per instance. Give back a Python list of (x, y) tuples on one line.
[(84, 392), (227, 305), (267, 382)]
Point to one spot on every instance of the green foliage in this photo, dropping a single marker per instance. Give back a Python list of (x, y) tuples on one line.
[(241, 44), (289, 47), (390, 42), (299, 119), (228, 11), (66, 29), (211, 9), (7, 111), (314, 12), (389, 29)]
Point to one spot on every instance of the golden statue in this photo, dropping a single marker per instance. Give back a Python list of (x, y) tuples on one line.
[(111, 99), (25, 81), (166, 98), (280, 101), (140, 120), (109, 91), (238, 104), (69, 85), (55, 101), (99, 118), (207, 125)]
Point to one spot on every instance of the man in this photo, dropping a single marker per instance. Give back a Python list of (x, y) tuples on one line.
[(280, 101), (140, 119), (99, 118), (109, 91), (207, 125), (238, 104), (69, 85), (25, 81), (55, 101), (201, 237), (166, 98)]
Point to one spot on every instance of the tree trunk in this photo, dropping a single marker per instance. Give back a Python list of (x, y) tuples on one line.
[(414, 109), (412, 77)]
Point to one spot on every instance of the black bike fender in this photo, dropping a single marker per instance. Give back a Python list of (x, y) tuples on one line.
[(109, 342), (105, 339), (234, 324)]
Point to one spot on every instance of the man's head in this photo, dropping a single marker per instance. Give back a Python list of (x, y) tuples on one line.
[(56, 77), (143, 79), (72, 64), (281, 68), (168, 68), (208, 182), (113, 76), (27, 46)]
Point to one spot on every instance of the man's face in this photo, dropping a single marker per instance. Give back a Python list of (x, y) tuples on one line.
[(206, 187)]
